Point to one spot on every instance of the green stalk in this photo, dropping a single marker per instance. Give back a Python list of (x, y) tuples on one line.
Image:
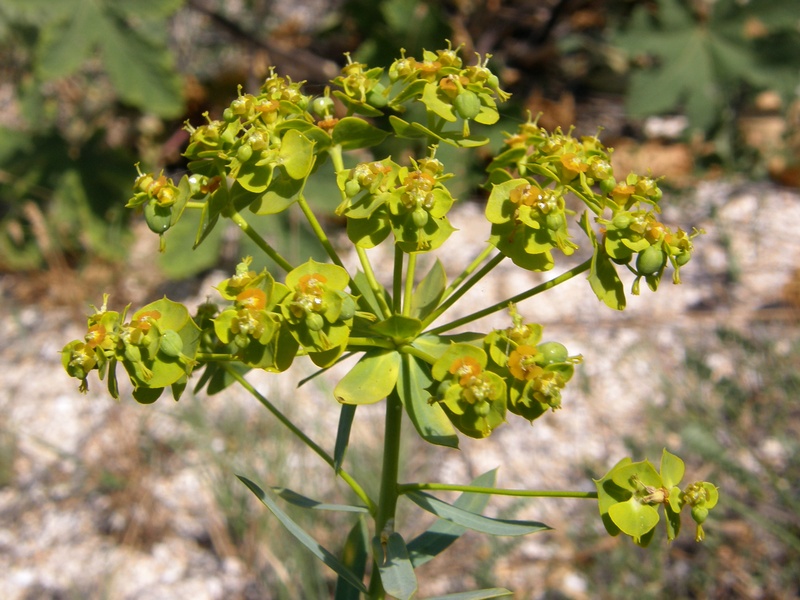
[(375, 342), (454, 297), (194, 204), (409, 283), (335, 152), (376, 287), (318, 231), (215, 357), (387, 503), (234, 216), (566, 276), (397, 280), (468, 271), (404, 488), (359, 491)]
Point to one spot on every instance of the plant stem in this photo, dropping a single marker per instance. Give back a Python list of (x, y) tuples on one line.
[(215, 357), (454, 297), (359, 491), (468, 271), (377, 288), (318, 231), (397, 280), (387, 503), (234, 216), (409, 283), (404, 488), (376, 342), (566, 276)]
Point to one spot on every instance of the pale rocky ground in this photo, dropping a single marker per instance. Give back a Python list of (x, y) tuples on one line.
[(68, 531)]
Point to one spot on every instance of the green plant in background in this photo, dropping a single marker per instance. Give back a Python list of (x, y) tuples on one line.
[(701, 58), (259, 159), (58, 172)]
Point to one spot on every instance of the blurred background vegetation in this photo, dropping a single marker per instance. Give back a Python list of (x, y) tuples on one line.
[(89, 88), (697, 88)]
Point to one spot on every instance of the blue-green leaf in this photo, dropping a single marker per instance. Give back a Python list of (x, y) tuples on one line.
[(293, 497), (429, 291), (474, 521), (304, 538), (346, 415), (429, 419), (397, 573), (476, 595), (354, 557), (442, 533)]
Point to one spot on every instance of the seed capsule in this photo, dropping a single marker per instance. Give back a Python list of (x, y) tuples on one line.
[(467, 104)]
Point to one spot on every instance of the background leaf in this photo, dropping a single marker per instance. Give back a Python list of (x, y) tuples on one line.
[(304, 538)]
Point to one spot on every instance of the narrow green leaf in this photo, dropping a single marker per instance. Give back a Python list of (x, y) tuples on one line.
[(371, 379), (474, 521), (354, 557), (476, 595), (429, 291), (442, 534), (293, 497), (397, 573), (346, 415), (429, 419), (304, 538)]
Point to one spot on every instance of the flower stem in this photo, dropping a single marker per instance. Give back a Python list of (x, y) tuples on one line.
[(468, 271), (377, 288), (237, 218), (404, 488), (454, 297), (359, 491), (566, 276), (387, 503), (409, 284), (397, 280), (318, 231)]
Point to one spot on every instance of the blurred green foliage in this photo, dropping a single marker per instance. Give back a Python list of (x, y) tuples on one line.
[(707, 59)]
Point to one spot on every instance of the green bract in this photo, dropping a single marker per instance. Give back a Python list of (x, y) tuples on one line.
[(264, 156)]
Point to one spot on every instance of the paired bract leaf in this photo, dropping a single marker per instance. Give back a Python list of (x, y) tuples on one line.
[(371, 379)]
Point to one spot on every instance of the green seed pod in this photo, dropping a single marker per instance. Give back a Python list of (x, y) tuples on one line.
[(554, 221), (314, 321), (650, 261), (553, 352), (133, 353), (467, 104), (699, 514), (483, 408), (683, 258), (157, 217), (420, 217), (607, 185), (351, 188), (171, 343), (244, 153), (322, 106), (348, 310), (228, 115), (621, 220)]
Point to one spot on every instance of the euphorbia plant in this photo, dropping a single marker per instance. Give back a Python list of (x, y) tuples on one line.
[(258, 159)]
